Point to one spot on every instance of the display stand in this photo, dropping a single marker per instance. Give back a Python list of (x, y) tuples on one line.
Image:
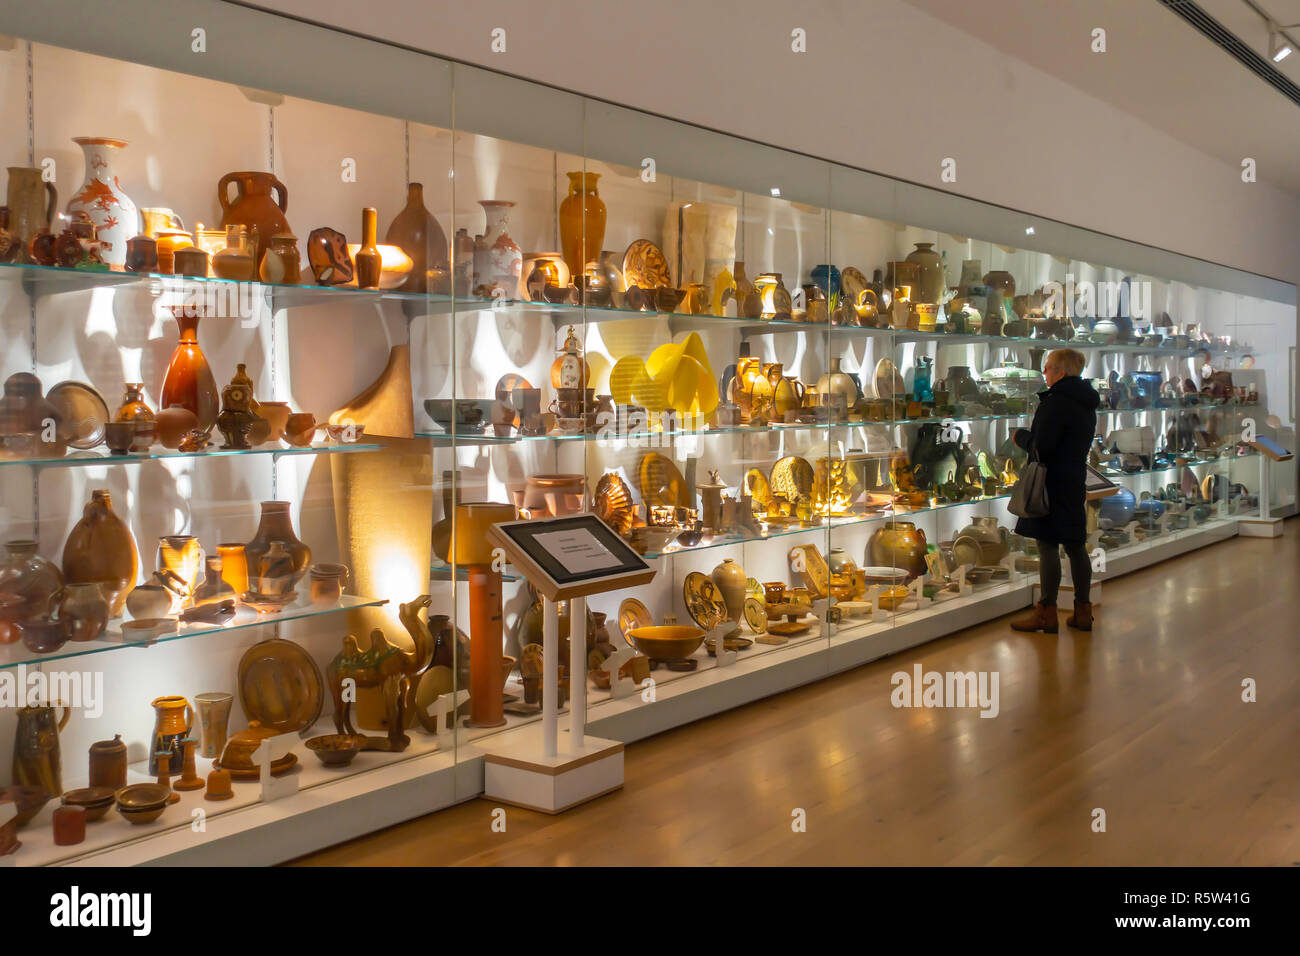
[(268, 751), (564, 558), (1265, 525)]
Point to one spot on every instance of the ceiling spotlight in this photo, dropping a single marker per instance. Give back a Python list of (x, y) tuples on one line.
[(1279, 48), (776, 191), (1029, 230)]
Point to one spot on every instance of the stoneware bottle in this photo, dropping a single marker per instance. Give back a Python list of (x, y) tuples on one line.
[(101, 550)]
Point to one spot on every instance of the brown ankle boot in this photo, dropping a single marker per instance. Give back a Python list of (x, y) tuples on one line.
[(1081, 619), (1042, 619)]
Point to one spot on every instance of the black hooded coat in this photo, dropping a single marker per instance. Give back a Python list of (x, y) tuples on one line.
[(1061, 434)]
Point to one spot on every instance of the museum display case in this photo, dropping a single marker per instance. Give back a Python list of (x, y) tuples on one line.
[(287, 330)]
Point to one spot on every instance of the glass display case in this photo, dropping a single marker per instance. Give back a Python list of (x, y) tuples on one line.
[(251, 445)]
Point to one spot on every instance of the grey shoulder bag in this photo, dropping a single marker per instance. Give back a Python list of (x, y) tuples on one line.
[(1029, 494)]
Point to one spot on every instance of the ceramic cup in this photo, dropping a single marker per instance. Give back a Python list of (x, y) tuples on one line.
[(327, 583)]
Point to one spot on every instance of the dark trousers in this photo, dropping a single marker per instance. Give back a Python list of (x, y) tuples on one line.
[(1049, 570)]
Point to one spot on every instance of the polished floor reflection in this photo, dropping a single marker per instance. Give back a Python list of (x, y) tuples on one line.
[(1143, 719)]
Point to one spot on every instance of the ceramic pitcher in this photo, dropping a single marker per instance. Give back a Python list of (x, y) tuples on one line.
[(32, 202), (173, 721), (37, 762)]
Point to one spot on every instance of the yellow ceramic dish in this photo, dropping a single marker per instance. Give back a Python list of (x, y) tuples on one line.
[(666, 642)]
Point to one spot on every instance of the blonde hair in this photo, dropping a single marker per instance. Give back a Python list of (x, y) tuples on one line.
[(1070, 361)]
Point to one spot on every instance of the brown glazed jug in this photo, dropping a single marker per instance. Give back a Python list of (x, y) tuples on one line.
[(418, 234), (37, 762), (189, 381), (254, 207), (101, 550), (31, 202), (173, 721)]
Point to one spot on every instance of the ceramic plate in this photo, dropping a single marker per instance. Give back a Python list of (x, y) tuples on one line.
[(632, 613), (789, 628), (884, 575), (84, 412), (966, 550), (644, 265), (703, 600), (852, 285), (661, 482), (730, 643), (278, 768), (756, 614), (280, 686)]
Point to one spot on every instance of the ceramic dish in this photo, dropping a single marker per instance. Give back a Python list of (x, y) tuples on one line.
[(980, 575), (666, 642), (278, 768), (632, 613), (703, 600), (644, 265), (141, 817), (280, 686), (881, 575), (661, 482), (731, 643), (335, 750), (854, 608), (891, 597), (143, 796), (83, 411), (96, 801), (147, 628), (789, 628), (756, 614)]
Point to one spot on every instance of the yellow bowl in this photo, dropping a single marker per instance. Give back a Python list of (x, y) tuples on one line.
[(666, 642)]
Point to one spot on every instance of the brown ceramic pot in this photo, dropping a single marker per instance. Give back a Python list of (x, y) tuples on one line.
[(101, 550)]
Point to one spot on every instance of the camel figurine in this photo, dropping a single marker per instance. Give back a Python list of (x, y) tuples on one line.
[(387, 666)]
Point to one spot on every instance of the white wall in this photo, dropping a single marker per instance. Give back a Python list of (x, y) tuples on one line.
[(883, 86)]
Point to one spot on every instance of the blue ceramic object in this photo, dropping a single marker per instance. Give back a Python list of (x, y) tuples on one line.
[(1118, 508), (827, 278)]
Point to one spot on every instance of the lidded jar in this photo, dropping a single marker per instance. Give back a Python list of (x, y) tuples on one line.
[(570, 369)]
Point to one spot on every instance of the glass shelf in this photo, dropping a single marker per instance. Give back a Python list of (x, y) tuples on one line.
[(12, 655), (899, 512), (101, 456), (441, 571), (1113, 474)]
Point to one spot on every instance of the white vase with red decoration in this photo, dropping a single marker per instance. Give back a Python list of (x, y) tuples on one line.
[(102, 198)]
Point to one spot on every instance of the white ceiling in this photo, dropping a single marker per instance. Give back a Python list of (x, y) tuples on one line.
[(1157, 67)]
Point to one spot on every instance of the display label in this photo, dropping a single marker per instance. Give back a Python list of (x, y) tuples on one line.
[(578, 551)]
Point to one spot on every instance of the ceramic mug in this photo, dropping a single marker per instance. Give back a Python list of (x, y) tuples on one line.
[(327, 583)]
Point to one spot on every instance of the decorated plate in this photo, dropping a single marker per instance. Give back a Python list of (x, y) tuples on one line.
[(703, 600), (966, 550), (756, 614), (852, 284), (280, 686), (644, 265), (661, 482), (632, 613), (83, 412)]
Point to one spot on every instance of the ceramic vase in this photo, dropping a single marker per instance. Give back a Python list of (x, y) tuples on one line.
[(101, 550), (281, 261), (213, 588), (367, 261), (234, 566), (929, 288), (417, 233), (214, 719), (582, 222), (255, 207), (189, 382), (276, 525), (235, 260), (838, 386), (503, 258), (103, 200), (730, 580)]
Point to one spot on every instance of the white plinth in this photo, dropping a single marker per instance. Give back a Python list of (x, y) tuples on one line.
[(519, 773), (1259, 527)]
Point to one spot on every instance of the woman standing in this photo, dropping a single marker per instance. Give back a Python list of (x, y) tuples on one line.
[(1060, 435)]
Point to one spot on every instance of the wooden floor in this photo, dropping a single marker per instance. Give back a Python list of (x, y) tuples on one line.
[(1143, 719)]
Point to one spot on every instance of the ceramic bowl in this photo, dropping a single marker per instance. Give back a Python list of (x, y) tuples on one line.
[(981, 575), (470, 414), (43, 636), (666, 642), (882, 575), (141, 817), (854, 608), (96, 801), (335, 750)]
